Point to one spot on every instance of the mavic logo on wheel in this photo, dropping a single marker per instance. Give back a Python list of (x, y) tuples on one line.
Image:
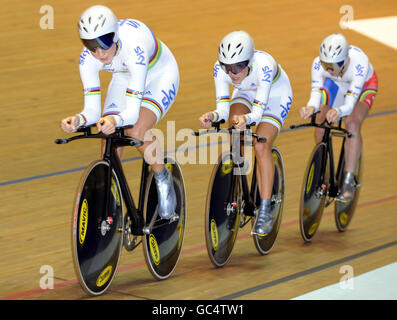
[(275, 157), (104, 276), (154, 249), (312, 229), (83, 221), (214, 235), (227, 167), (343, 218), (310, 179), (169, 167), (115, 192)]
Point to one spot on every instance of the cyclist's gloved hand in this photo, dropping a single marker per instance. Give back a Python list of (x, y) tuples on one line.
[(206, 120), (239, 122), (306, 112), (106, 125), (70, 124), (333, 115)]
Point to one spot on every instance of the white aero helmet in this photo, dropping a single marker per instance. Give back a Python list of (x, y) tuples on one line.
[(334, 51), (98, 27), (236, 48)]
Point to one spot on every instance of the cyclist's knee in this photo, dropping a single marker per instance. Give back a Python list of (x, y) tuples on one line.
[(140, 133), (320, 117), (353, 124), (261, 149)]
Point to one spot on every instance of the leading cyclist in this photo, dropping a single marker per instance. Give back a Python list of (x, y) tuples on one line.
[(144, 85), (262, 95), (344, 83)]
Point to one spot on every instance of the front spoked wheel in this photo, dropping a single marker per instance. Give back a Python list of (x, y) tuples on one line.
[(264, 244), (314, 192), (344, 210), (97, 228), (162, 246), (222, 212)]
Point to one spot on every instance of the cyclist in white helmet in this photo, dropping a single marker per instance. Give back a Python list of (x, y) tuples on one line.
[(262, 95), (344, 83), (143, 87)]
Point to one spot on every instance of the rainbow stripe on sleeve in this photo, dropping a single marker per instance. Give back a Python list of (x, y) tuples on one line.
[(277, 75), (93, 91), (154, 104), (273, 119), (243, 101), (257, 103), (367, 92), (223, 99), (157, 53), (133, 93)]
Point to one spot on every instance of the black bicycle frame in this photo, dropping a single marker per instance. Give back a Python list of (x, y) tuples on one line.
[(136, 214), (249, 206), (327, 140), (238, 162), (113, 141)]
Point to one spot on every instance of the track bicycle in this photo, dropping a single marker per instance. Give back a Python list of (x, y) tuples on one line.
[(100, 228), (322, 181), (231, 204)]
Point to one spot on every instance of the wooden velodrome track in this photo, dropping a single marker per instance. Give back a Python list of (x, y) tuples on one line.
[(40, 85)]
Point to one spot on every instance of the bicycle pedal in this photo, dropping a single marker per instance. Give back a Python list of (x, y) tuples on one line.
[(328, 202), (258, 234), (174, 218), (147, 230), (340, 199)]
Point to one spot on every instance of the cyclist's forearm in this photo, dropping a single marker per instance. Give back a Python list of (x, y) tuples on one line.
[(91, 111), (255, 116), (315, 99)]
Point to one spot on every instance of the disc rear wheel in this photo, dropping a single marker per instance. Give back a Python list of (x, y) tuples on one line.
[(344, 210), (163, 245), (264, 244)]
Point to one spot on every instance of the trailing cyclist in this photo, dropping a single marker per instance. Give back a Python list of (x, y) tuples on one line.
[(344, 83)]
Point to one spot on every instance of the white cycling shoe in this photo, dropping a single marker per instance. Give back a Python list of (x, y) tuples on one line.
[(166, 194)]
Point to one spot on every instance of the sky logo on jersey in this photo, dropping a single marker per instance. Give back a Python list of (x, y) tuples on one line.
[(168, 97), (129, 22), (141, 58), (360, 70), (286, 109), (216, 69), (83, 55), (267, 73)]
